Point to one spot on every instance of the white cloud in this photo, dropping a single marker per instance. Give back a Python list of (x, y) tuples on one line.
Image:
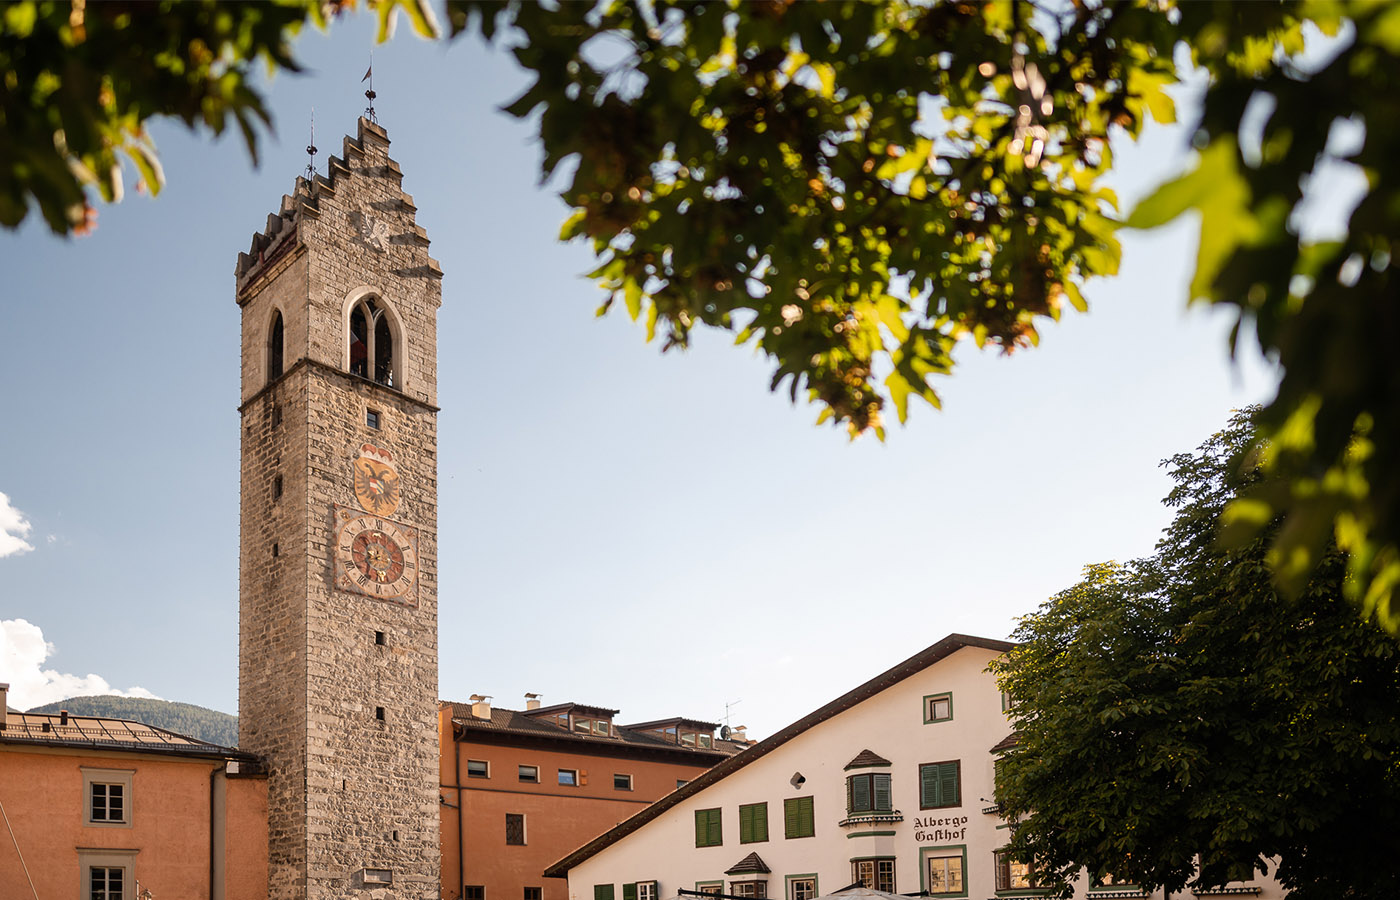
[(22, 654), (13, 529)]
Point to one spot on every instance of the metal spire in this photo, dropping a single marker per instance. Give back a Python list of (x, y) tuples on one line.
[(370, 94), (311, 148)]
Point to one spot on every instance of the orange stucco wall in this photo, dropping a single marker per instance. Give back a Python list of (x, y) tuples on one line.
[(558, 819), (42, 793), (245, 839)]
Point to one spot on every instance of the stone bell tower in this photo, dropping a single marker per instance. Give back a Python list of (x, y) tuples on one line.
[(338, 528)]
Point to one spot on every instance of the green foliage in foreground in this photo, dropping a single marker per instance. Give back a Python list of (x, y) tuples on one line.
[(856, 187), (182, 718), (1182, 724)]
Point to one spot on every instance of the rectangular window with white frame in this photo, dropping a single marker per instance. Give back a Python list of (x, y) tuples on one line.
[(756, 889), (568, 777), (107, 797), (622, 782), (478, 768), (528, 774)]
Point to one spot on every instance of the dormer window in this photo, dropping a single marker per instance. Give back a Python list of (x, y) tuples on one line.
[(371, 342)]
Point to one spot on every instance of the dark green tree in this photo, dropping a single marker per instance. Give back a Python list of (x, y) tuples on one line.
[(1181, 724)]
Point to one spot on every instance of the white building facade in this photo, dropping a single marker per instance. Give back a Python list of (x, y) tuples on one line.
[(890, 785)]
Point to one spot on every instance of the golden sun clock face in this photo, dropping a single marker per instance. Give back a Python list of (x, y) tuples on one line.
[(376, 486), (376, 557)]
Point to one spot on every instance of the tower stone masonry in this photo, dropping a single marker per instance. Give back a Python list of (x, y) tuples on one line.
[(338, 532)]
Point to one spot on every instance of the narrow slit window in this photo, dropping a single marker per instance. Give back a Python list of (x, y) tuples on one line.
[(359, 343), (276, 486), (383, 352), (379, 713), (274, 348)]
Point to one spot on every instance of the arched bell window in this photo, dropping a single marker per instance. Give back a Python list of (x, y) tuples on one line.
[(274, 347), (371, 342)]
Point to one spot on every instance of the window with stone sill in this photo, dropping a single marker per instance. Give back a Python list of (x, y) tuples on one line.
[(107, 796)]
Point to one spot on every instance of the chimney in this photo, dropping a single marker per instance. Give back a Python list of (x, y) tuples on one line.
[(737, 735), (4, 701), (532, 701), (481, 706), (63, 717)]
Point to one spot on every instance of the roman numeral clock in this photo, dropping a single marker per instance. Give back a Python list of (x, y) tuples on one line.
[(375, 555)]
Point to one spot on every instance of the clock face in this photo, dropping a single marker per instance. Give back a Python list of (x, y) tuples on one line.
[(375, 557), (376, 486)]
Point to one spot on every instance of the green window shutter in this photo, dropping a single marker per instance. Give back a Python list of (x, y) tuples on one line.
[(746, 825), (797, 817), (707, 828), (860, 793), (928, 786), (882, 792), (760, 821), (629, 891), (602, 892), (938, 785)]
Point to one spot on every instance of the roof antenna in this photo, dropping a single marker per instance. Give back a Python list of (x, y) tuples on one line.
[(370, 94), (311, 149)]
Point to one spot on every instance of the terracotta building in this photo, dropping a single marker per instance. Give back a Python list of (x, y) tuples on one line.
[(522, 788), (107, 809)]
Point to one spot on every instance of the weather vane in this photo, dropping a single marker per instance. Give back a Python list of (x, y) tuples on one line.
[(311, 147), (369, 94)]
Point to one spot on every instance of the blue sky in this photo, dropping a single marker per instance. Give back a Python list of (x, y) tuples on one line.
[(652, 533)]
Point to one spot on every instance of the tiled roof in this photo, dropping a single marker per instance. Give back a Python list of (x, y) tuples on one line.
[(751, 864), (887, 679), (525, 724), (674, 720), (581, 707), (98, 732), (1007, 742), (867, 758)]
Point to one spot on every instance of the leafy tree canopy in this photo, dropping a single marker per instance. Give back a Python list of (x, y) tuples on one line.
[(1181, 724), (855, 187)]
